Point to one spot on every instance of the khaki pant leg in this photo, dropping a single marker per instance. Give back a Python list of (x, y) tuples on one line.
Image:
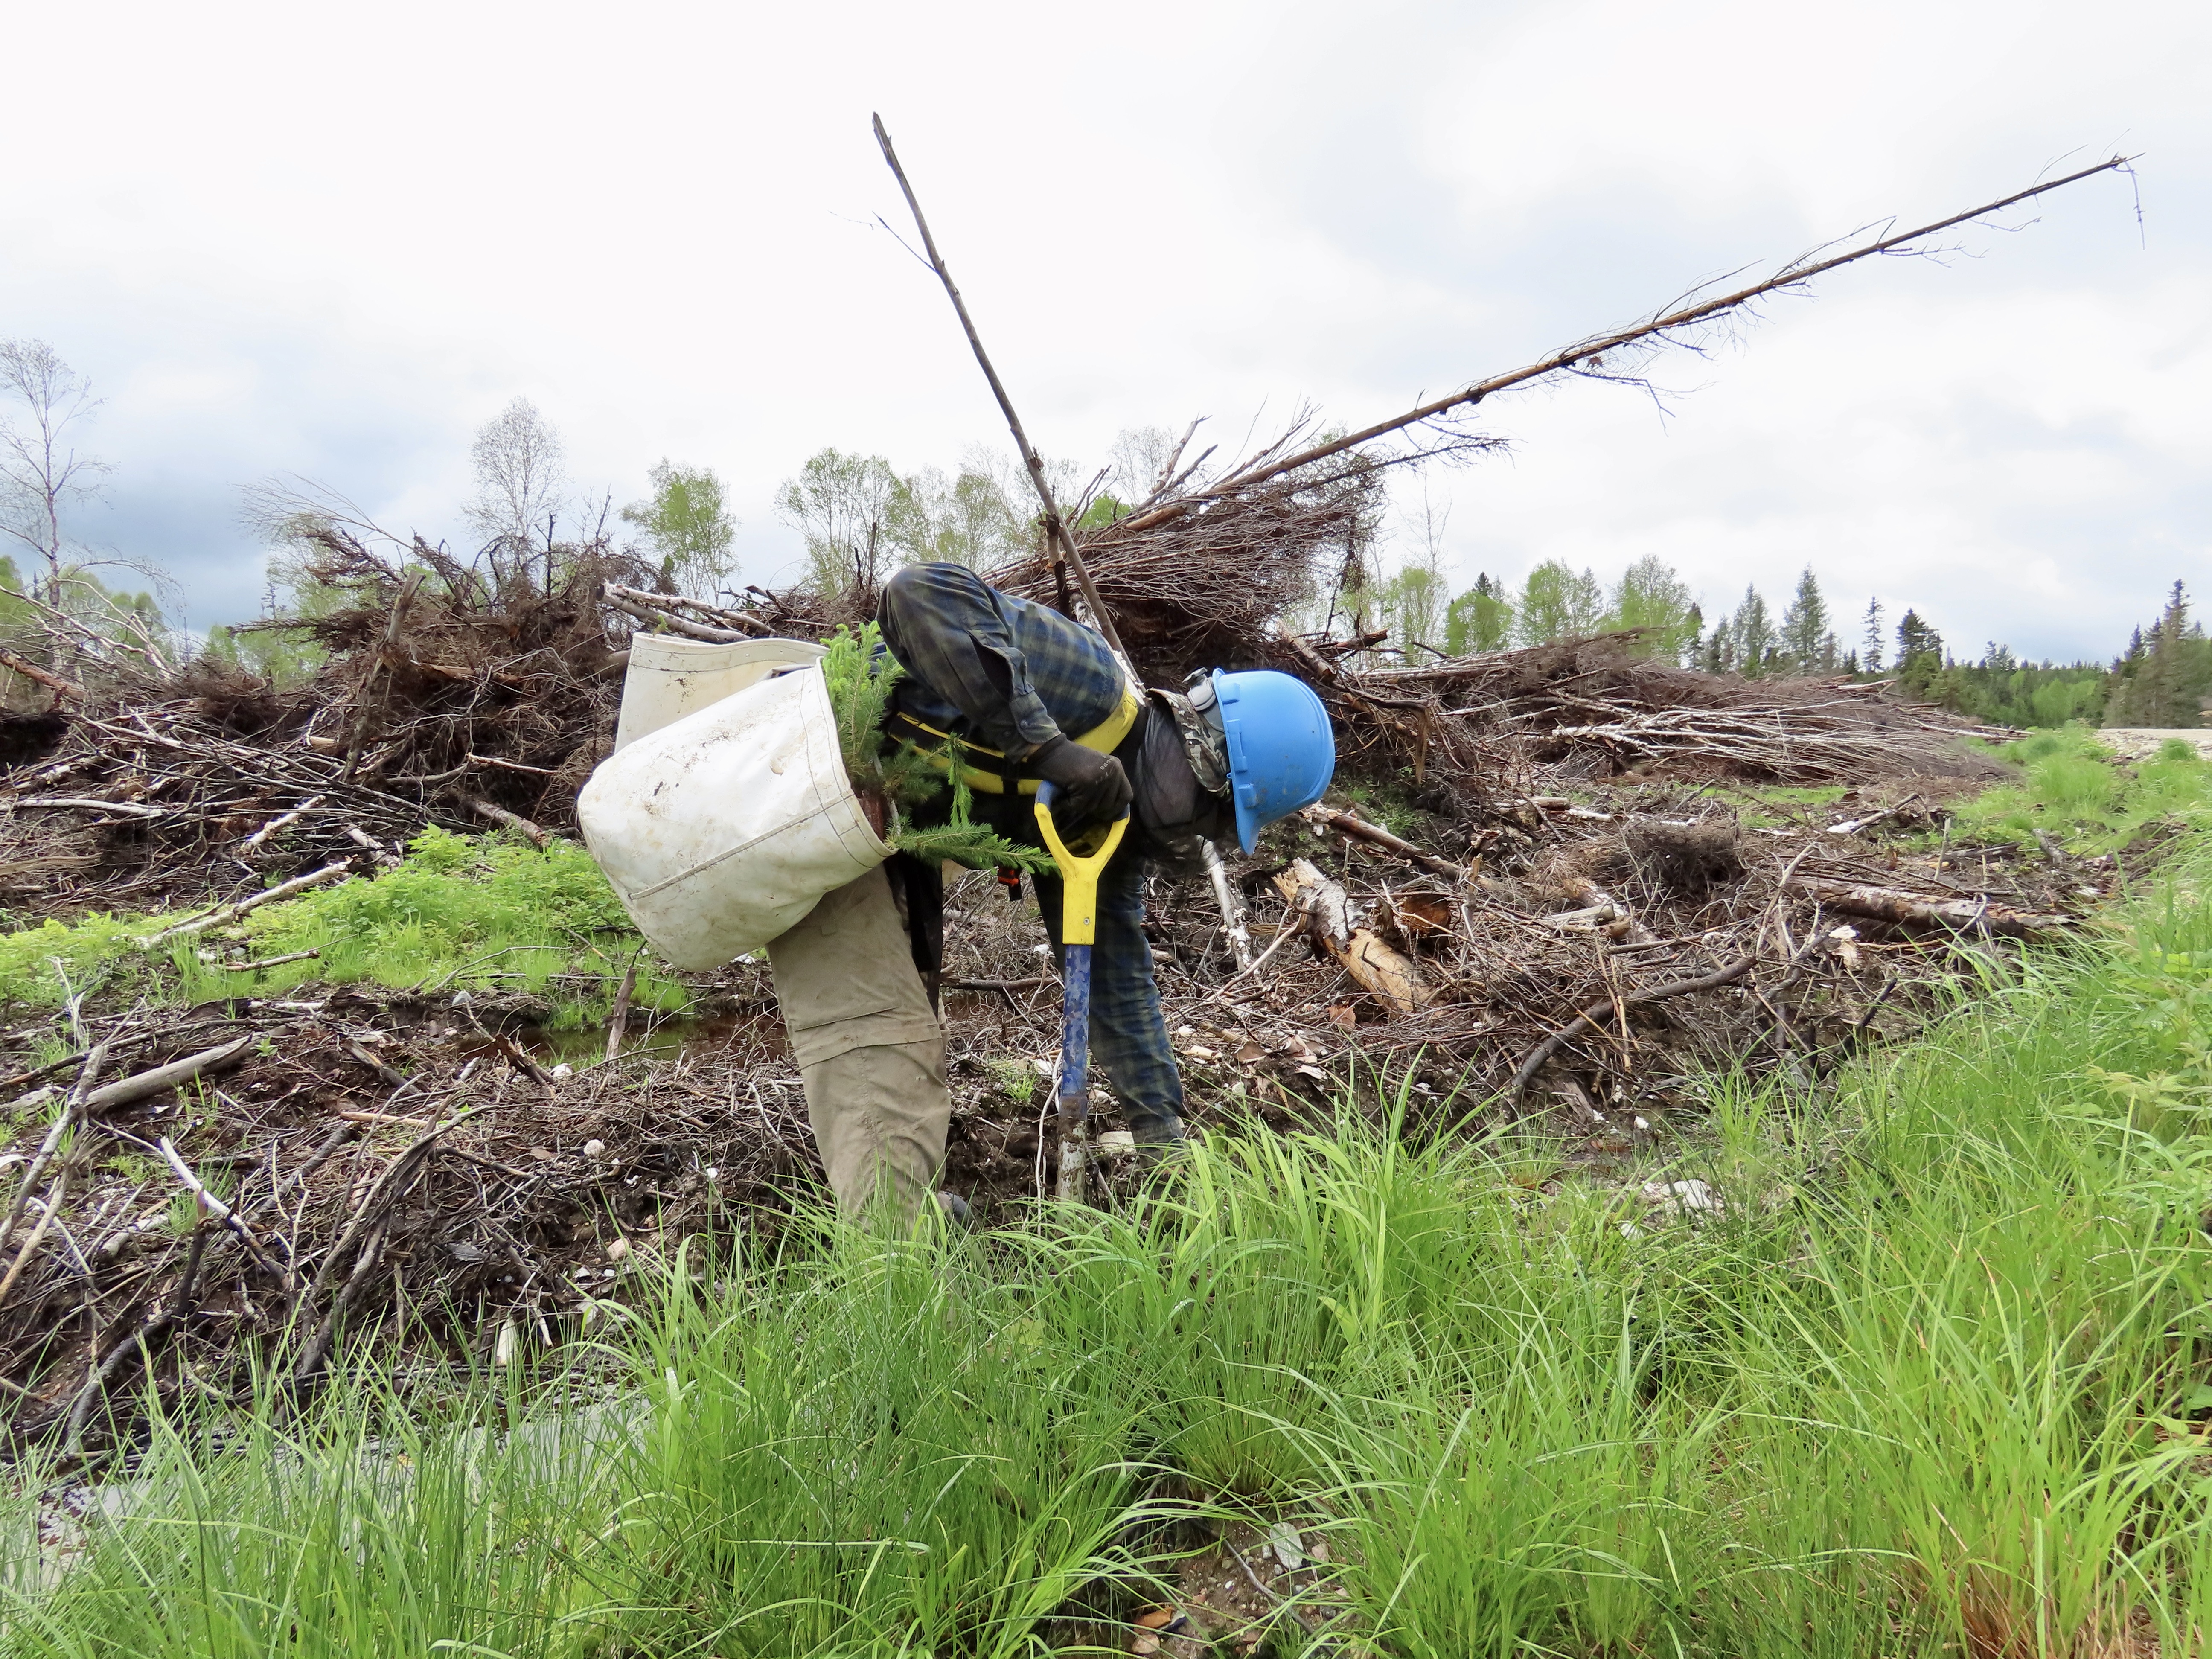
[(869, 1048)]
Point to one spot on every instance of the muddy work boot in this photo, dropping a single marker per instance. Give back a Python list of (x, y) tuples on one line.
[(1159, 1140), (958, 1212)]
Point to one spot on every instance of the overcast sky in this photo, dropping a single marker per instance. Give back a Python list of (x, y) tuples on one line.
[(333, 241)]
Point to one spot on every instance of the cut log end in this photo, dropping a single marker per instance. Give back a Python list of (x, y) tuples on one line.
[(1322, 907)]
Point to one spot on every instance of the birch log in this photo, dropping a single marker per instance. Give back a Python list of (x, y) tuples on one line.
[(1393, 978), (1976, 916)]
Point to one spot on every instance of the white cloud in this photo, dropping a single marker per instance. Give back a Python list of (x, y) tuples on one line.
[(287, 239)]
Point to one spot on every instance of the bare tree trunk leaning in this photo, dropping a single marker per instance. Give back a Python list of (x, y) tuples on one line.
[(1392, 977), (1055, 526)]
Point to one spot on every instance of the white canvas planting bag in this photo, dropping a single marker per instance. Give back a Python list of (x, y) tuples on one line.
[(721, 829), (670, 676)]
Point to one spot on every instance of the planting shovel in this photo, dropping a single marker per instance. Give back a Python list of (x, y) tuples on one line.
[(1078, 930)]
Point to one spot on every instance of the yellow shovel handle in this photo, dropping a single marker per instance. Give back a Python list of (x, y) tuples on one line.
[(1078, 876)]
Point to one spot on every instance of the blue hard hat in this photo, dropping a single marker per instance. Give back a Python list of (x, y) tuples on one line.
[(1281, 751)]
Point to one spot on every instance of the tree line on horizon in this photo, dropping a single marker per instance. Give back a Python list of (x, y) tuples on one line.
[(1755, 641), (2162, 680), (859, 518)]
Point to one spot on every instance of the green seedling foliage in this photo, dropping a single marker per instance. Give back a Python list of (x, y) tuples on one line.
[(1012, 1077), (46, 965), (483, 912), (963, 841), (859, 674)]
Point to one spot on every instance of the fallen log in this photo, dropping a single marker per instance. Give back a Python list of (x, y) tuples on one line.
[(1393, 978), (1979, 915), (676, 625), (484, 809), (227, 913), (31, 671), (124, 1090), (662, 604)]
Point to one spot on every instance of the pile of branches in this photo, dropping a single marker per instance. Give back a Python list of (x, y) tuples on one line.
[(450, 693), (139, 808), (1602, 706), (1617, 958), (336, 1169), (452, 682), (1199, 571)]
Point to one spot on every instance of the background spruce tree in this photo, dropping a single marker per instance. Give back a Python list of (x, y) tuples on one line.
[(1752, 630), (1870, 645), (1480, 619), (1919, 652), (1807, 640), (2165, 676)]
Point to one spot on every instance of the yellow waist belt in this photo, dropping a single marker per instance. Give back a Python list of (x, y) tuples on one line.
[(1105, 738)]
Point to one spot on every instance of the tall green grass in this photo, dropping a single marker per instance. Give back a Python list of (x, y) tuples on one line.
[(2071, 787), (1937, 1381)]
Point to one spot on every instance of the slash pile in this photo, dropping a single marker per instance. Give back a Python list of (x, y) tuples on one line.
[(1581, 911)]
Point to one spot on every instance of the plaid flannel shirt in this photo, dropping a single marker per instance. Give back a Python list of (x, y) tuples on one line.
[(985, 665), (1010, 674)]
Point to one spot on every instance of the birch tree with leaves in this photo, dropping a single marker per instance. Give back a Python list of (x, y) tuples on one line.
[(687, 523), (842, 506), (41, 471)]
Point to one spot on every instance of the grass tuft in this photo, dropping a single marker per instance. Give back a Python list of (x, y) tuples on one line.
[(2072, 787)]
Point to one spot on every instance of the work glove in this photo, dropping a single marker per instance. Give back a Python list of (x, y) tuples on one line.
[(1091, 787)]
